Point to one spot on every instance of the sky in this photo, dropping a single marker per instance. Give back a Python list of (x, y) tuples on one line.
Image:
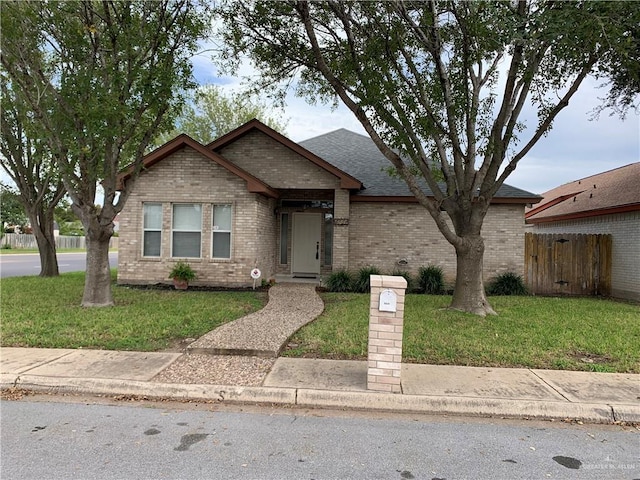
[(576, 147)]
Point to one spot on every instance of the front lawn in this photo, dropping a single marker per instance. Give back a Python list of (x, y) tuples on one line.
[(46, 312), (535, 332)]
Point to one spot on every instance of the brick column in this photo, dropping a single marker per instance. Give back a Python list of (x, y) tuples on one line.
[(341, 229), (385, 333)]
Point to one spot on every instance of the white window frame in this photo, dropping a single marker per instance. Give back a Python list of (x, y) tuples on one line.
[(145, 230), (214, 230), (174, 230)]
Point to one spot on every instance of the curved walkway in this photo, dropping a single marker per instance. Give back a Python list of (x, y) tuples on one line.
[(264, 333)]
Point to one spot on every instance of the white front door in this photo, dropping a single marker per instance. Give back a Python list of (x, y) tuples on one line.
[(306, 243)]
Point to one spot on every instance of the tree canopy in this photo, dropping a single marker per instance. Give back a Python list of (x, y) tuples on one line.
[(209, 113), (101, 79), (11, 209), (25, 156), (439, 86)]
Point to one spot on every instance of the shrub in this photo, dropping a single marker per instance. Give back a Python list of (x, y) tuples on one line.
[(361, 284), (182, 271), (339, 281), (407, 276), (507, 283), (431, 280)]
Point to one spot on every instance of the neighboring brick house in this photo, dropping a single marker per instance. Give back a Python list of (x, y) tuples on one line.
[(254, 198), (608, 203)]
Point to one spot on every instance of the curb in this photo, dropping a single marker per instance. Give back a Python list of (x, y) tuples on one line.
[(343, 400)]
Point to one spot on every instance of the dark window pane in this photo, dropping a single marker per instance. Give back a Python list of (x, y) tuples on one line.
[(186, 244), (284, 243), (152, 244), (221, 245)]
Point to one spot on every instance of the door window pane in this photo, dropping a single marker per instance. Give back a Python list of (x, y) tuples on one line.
[(284, 239), (328, 239)]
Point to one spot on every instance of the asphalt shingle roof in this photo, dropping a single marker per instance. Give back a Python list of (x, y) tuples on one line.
[(358, 156), (597, 194)]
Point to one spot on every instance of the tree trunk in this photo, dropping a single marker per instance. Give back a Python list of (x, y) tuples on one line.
[(97, 284), (469, 295), (42, 226), (47, 250)]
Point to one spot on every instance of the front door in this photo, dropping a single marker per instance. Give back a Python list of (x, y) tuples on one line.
[(306, 244)]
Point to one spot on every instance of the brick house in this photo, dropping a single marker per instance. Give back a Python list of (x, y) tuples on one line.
[(606, 203), (254, 198)]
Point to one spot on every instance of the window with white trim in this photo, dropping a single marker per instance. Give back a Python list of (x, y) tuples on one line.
[(221, 232), (186, 233), (152, 229)]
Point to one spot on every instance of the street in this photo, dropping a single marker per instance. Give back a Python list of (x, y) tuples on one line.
[(17, 265), (44, 439)]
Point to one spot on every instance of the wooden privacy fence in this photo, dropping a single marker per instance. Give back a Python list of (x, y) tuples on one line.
[(568, 264)]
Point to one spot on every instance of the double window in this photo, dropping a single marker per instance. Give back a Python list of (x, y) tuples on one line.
[(186, 230)]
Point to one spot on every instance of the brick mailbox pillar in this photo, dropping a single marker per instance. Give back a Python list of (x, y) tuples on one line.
[(386, 317)]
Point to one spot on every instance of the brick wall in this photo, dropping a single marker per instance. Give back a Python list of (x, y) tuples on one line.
[(187, 177), (275, 164), (625, 232), (266, 235), (382, 234)]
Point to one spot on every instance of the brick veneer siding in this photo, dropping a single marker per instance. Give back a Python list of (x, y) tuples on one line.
[(188, 177), (341, 229), (382, 234), (266, 235), (625, 232), (277, 165)]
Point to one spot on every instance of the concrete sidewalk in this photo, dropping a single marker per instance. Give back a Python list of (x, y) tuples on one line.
[(503, 392)]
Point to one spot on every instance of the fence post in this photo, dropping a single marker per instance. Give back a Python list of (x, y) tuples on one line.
[(386, 318)]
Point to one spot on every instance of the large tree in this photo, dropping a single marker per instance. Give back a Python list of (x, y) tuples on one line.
[(26, 158), (101, 77), (440, 87), (210, 113)]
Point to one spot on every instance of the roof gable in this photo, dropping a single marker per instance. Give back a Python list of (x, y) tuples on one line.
[(613, 191), (347, 181), (254, 185)]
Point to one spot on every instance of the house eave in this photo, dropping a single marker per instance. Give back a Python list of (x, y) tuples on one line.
[(585, 214), (412, 199), (254, 185)]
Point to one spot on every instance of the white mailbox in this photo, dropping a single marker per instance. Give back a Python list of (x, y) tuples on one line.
[(388, 300)]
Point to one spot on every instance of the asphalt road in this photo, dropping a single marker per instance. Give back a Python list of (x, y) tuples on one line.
[(17, 265), (77, 440)]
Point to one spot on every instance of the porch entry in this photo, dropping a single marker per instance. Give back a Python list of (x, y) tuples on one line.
[(307, 228)]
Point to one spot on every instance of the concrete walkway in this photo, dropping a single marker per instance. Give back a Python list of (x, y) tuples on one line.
[(313, 383), (263, 333)]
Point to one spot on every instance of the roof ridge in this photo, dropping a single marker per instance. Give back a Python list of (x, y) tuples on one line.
[(596, 174), (332, 132)]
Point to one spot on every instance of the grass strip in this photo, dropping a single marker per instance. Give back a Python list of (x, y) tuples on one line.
[(46, 312), (589, 334)]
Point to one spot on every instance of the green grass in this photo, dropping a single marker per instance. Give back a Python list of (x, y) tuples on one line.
[(46, 312), (533, 332)]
